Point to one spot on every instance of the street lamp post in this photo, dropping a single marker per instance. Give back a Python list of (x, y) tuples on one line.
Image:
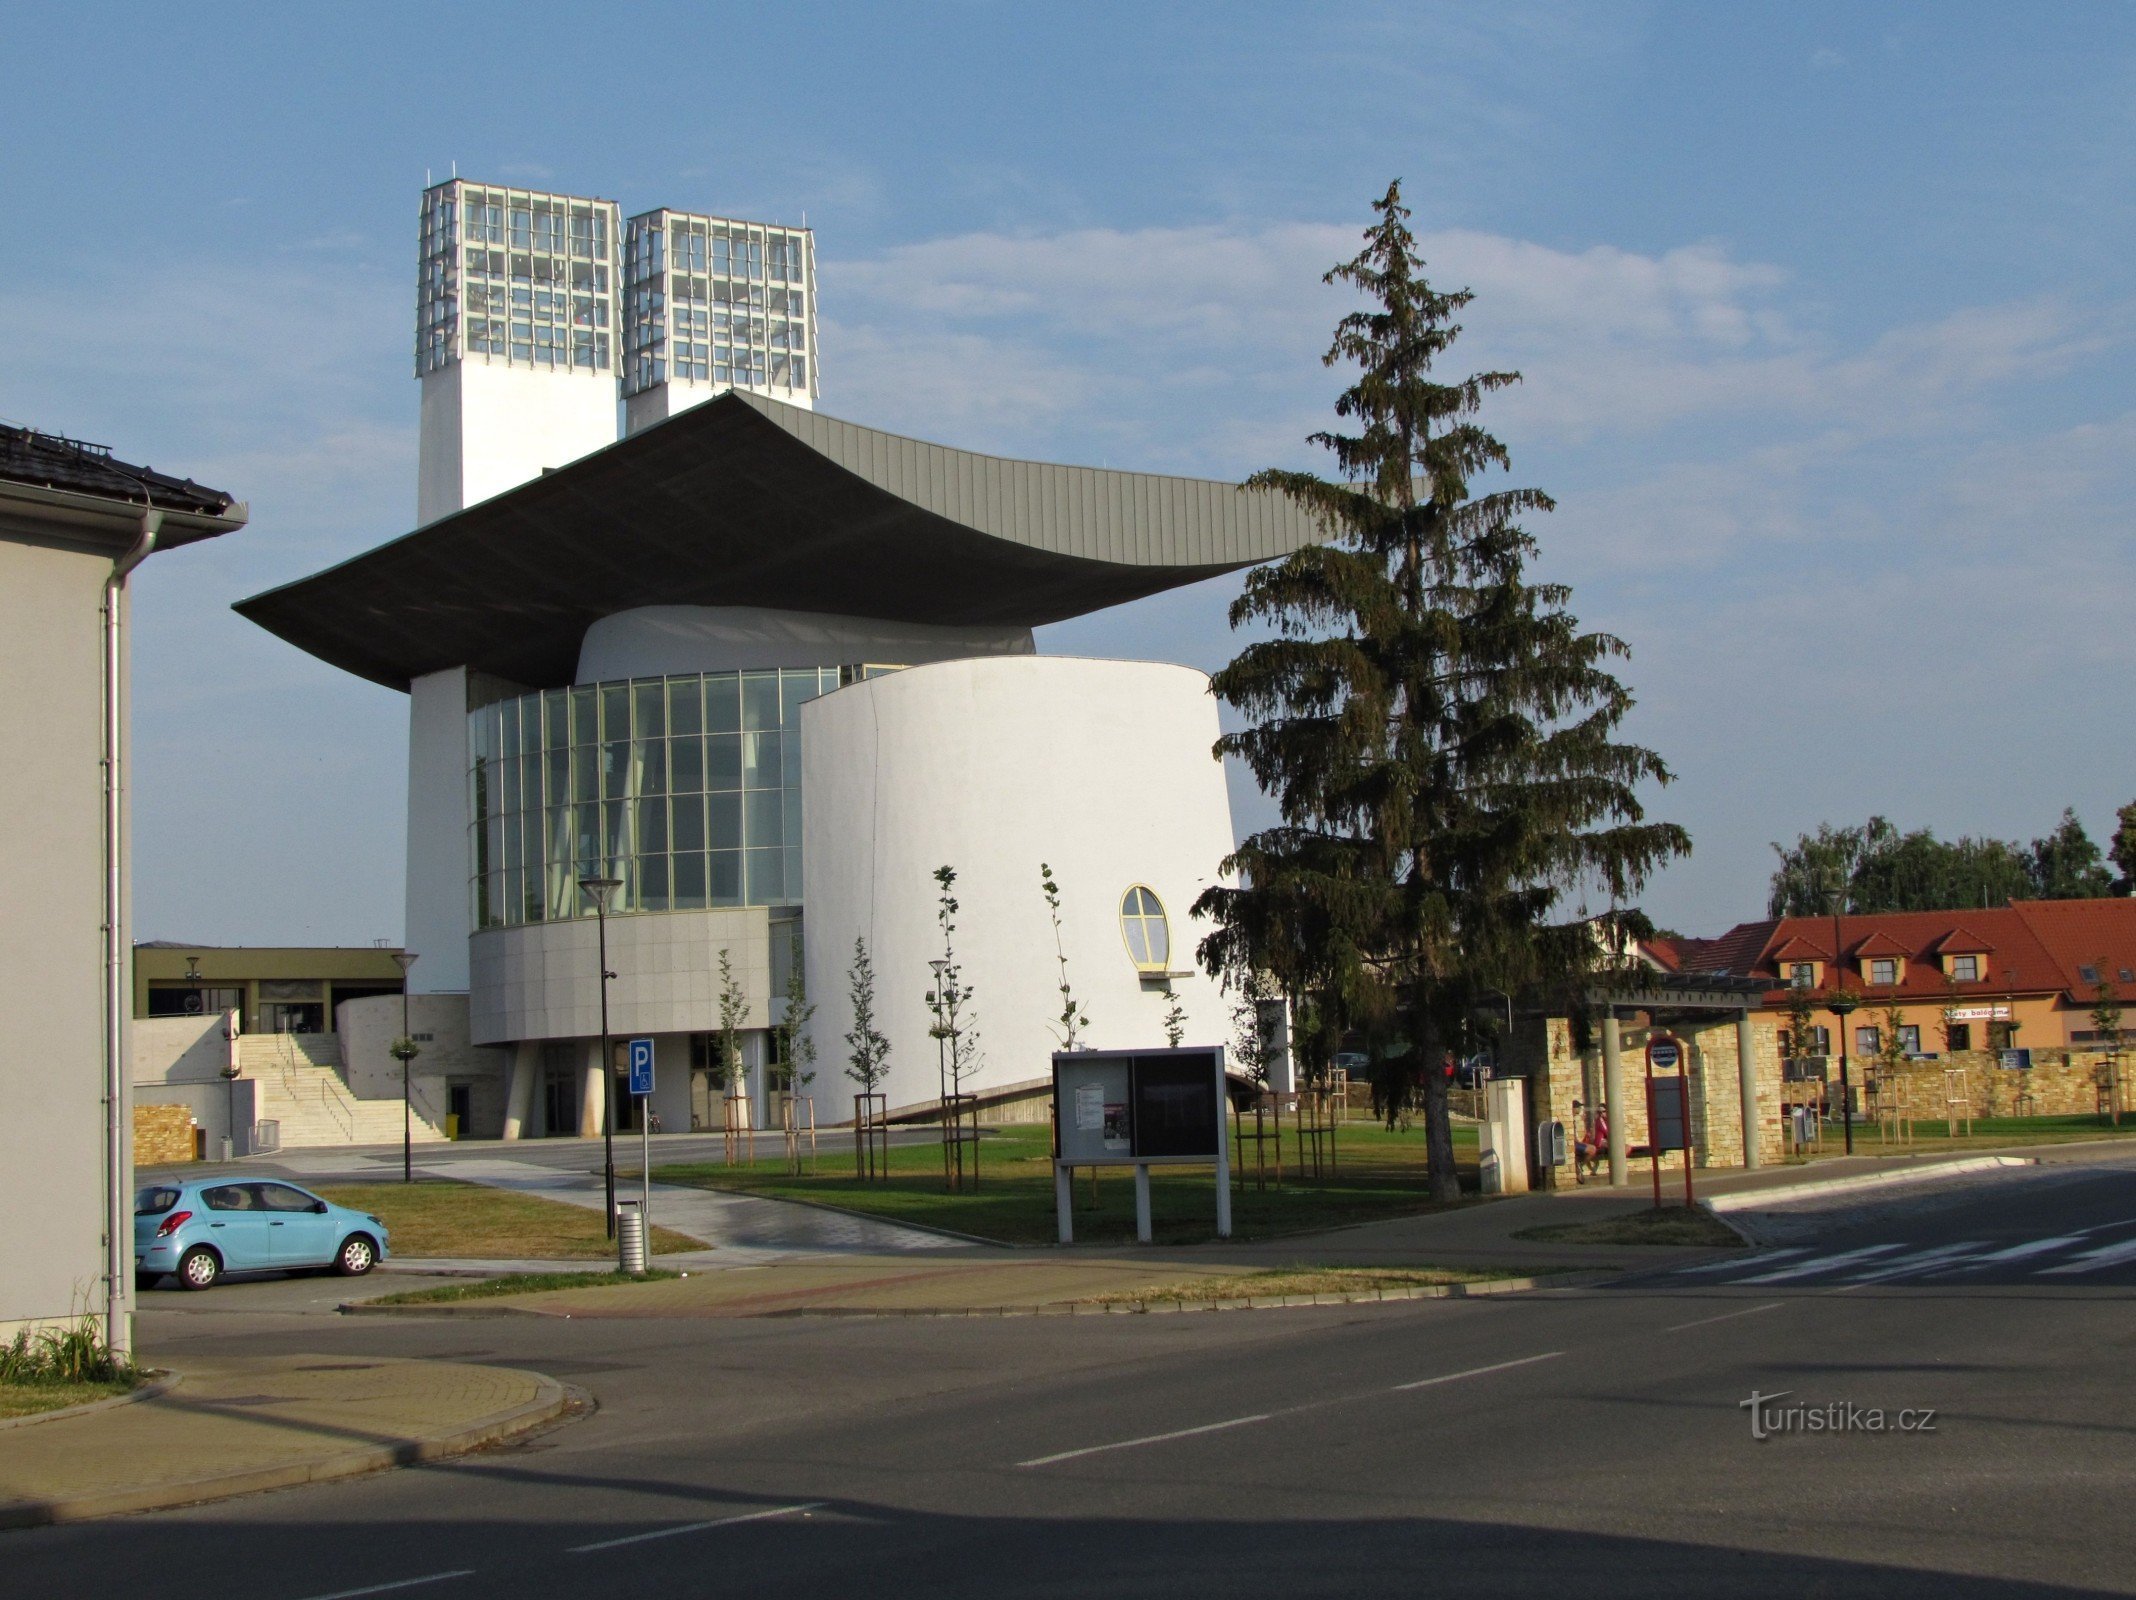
[(599, 889), (1842, 1005), (405, 1052)]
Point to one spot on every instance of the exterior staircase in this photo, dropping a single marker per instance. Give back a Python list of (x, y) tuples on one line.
[(301, 1086)]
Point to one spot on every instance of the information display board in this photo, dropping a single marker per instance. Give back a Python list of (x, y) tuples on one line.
[(1121, 1107), (1669, 1130), (1138, 1108)]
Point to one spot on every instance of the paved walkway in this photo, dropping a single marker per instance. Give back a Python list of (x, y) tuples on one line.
[(743, 1229), (243, 1424)]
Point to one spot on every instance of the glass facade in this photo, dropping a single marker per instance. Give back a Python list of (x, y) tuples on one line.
[(687, 789), (516, 275), (714, 301)]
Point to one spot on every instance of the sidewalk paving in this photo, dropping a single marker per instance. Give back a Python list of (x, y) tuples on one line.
[(936, 1276), (238, 1425), (1022, 1285)]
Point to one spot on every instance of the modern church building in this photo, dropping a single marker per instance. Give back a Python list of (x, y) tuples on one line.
[(768, 670)]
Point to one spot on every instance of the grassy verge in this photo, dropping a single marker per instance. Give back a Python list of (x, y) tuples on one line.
[(1375, 1174), (28, 1399), (1669, 1225), (1989, 1133), (437, 1217), (1299, 1280), (514, 1283)]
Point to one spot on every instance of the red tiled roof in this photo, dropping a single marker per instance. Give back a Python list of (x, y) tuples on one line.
[(1796, 948), (2084, 933), (2029, 947)]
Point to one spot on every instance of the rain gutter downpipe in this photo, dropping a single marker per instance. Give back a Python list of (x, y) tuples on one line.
[(118, 1231)]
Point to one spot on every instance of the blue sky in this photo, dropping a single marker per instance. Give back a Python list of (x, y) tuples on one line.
[(1825, 314)]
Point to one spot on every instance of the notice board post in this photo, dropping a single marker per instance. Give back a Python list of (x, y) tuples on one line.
[(1668, 1107), (1139, 1108)]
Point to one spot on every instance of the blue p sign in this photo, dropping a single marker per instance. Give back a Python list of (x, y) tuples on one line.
[(641, 1066)]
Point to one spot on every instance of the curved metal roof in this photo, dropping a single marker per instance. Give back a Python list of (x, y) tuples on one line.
[(743, 501)]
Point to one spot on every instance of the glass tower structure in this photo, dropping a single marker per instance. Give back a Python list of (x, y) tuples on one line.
[(517, 276), (712, 303)]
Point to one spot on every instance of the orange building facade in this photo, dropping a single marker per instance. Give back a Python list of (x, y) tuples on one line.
[(2024, 976)]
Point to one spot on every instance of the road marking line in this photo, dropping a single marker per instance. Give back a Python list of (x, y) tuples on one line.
[(384, 1588), (1154, 1438), (2031, 1247), (1477, 1372), (1764, 1258), (699, 1527), (2111, 1255), (1948, 1255), (1803, 1269), (1725, 1316)]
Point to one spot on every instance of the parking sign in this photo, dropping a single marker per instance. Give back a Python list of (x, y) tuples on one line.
[(641, 1066)]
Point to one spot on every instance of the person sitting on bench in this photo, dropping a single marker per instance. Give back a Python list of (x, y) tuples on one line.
[(1593, 1141)]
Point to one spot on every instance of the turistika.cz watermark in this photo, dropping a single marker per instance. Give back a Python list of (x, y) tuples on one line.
[(1769, 1418)]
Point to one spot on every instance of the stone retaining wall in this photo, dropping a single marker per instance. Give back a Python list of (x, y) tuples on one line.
[(162, 1135), (2059, 1083)]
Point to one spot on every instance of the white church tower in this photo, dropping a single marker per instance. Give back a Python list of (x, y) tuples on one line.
[(712, 304), (517, 340)]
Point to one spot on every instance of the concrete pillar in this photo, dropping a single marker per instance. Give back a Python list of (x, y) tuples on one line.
[(593, 1103), (521, 1077), (1747, 1081), (1613, 1098)]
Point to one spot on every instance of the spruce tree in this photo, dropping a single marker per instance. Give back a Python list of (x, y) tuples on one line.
[(1436, 730)]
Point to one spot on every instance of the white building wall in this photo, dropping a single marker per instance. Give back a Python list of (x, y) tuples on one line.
[(654, 640), (438, 814), (540, 980), (51, 933), (488, 427), (1101, 769)]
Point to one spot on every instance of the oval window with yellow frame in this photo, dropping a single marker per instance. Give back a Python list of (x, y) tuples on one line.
[(1143, 926)]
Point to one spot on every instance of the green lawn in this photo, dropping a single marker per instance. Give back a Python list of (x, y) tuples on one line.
[(27, 1399), (1375, 1174), (436, 1217), (1989, 1133)]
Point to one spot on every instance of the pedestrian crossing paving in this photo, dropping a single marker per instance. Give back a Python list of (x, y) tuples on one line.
[(2098, 1254)]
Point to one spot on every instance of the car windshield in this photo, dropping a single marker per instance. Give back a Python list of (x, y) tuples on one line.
[(154, 1200)]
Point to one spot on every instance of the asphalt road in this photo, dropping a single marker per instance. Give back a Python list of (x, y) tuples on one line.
[(1582, 1441)]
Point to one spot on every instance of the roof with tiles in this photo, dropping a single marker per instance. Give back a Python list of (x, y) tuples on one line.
[(52, 462), (2028, 947)]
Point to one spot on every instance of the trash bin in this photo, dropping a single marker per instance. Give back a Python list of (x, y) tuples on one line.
[(630, 1237)]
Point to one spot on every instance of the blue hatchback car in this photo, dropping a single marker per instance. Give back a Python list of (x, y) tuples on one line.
[(201, 1228)]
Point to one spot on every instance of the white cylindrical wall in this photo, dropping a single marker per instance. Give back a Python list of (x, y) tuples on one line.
[(651, 641), (1101, 769)]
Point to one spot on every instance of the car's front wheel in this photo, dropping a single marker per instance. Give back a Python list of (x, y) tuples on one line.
[(358, 1256), (199, 1268)]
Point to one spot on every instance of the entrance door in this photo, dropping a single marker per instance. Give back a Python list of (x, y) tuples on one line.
[(560, 1103), (459, 1105)]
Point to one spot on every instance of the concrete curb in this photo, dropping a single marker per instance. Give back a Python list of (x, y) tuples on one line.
[(1759, 1199), (148, 1391), (551, 1400), (1140, 1308), (438, 1308)]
